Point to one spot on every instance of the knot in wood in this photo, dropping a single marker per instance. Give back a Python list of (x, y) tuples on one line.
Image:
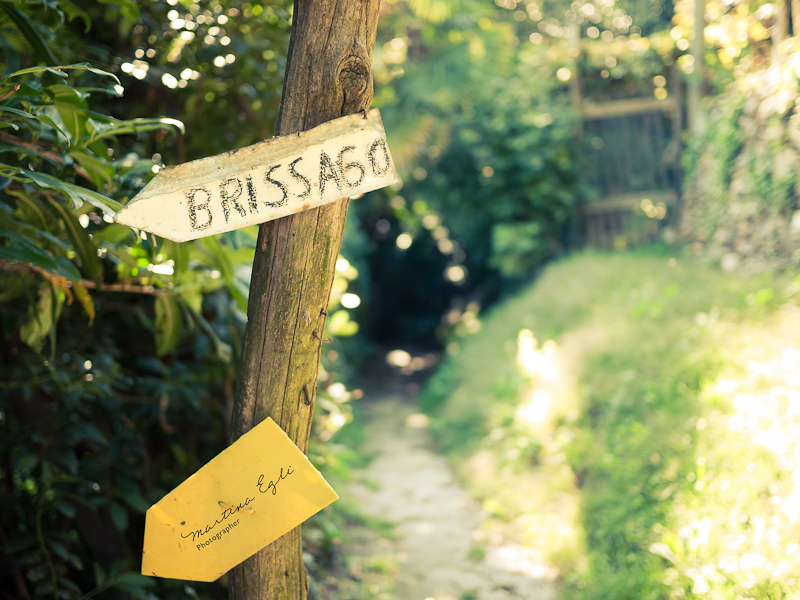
[(355, 82)]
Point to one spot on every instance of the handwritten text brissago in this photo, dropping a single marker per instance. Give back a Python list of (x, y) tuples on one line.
[(320, 178), (263, 487)]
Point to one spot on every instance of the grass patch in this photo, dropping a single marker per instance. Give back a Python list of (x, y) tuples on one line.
[(635, 418), (348, 554), (477, 553)]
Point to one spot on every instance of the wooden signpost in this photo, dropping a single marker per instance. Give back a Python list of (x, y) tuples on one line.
[(298, 188), (275, 178)]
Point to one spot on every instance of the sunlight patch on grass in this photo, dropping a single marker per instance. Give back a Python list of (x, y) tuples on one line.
[(737, 525), (633, 419)]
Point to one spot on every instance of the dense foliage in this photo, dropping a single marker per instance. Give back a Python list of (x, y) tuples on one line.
[(118, 349), (741, 185), (508, 177), (485, 135)]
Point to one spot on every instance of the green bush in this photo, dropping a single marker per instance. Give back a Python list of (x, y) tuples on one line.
[(505, 183), (118, 356)]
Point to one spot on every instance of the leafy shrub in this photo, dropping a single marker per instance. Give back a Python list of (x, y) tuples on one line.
[(505, 183), (741, 182), (99, 388), (118, 350)]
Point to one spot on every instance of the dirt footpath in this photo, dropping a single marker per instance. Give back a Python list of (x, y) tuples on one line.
[(436, 548)]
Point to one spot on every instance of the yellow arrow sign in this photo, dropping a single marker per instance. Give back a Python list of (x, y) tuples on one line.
[(249, 495), (278, 177)]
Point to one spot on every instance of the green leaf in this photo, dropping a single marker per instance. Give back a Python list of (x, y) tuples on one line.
[(30, 121), (239, 290), (129, 491), (36, 217), (20, 113), (128, 8), (22, 151), (72, 108), (99, 171), (77, 194), (87, 67), (113, 234), (68, 583), (220, 255), (43, 117), (99, 575), (58, 548), (192, 296), (72, 11), (65, 268), (181, 257), (26, 251), (59, 71), (168, 323), (224, 351), (83, 245), (85, 299), (27, 462), (31, 70), (30, 90), (119, 515), (108, 127), (134, 584), (113, 91), (65, 508), (27, 28), (41, 322)]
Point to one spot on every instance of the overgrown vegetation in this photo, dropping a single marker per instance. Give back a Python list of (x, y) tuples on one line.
[(634, 414), (118, 349), (741, 177), (477, 103)]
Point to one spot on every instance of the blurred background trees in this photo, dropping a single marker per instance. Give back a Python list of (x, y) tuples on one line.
[(119, 350)]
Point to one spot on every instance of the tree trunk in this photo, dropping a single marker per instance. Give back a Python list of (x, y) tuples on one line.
[(328, 75)]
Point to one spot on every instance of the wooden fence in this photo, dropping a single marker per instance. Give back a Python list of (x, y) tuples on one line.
[(632, 171)]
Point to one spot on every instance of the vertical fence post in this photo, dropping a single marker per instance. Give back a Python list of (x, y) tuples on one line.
[(697, 78), (677, 137), (779, 31), (795, 10)]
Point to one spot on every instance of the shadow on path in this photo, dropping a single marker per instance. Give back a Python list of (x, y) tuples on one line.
[(413, 488)]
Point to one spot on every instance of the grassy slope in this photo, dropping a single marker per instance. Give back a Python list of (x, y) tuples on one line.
[(649, 452)]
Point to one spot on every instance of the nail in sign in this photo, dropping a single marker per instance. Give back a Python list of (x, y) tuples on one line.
[(249, 495), (265, 181)]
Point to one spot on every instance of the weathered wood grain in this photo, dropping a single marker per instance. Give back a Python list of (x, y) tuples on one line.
[(328, 75)]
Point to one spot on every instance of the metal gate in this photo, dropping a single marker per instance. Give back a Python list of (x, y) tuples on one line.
[(632, 171)]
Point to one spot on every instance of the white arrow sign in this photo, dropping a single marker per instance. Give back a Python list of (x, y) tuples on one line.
[(274, 178)]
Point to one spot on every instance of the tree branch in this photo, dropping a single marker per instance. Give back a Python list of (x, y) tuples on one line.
[(150, 290)]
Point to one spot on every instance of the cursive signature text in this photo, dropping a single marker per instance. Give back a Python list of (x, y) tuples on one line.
[(263, 487), (272, 486), (219, 520)]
